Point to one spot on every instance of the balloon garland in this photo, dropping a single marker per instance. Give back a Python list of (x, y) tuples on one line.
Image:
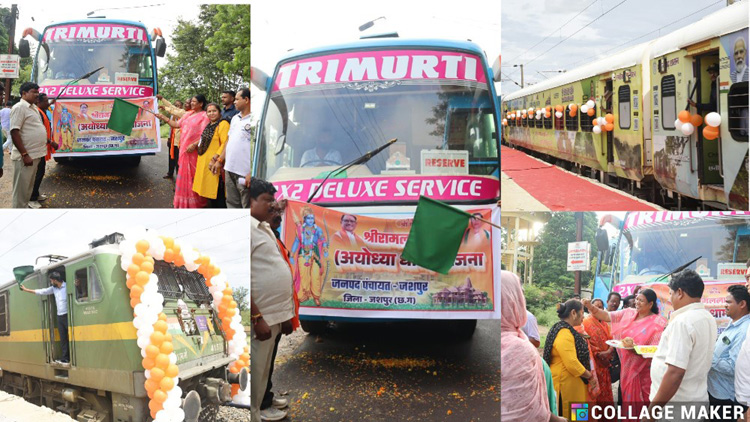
[(687, 124), (159, 360)]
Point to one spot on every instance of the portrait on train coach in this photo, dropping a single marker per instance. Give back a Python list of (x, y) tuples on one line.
[(735, 46)]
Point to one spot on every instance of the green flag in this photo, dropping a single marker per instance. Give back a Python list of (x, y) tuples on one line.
[(435, 235), (123, 116)]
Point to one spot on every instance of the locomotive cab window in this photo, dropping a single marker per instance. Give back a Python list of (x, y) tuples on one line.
[(4, 314), (88, 288), (738, 111), (623, 101), (571, 123), (668, 102)]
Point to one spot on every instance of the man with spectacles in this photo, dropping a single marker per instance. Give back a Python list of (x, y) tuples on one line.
[(346, 236)]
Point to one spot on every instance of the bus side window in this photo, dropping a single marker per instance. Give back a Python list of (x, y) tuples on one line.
[(668, 102), (623, 101), (4, 314)]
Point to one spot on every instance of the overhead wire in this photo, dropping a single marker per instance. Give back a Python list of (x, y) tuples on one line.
[(32, 234)]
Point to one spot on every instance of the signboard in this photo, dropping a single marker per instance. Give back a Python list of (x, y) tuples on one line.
[(123, 78), (94, 31), (9, 65), (437, 161), (579, 256), (351, 265), (98, 91), (80, 128), (389, 66), (392, 189)]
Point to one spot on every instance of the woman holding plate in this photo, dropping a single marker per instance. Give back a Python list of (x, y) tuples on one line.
[(640, 326)]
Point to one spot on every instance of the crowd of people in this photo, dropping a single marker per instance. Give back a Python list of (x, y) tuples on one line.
[(693, 363), (209, 149), (274, 306)]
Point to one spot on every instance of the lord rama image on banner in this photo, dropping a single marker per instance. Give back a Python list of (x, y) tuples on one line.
[(309, 243), (353, 262)]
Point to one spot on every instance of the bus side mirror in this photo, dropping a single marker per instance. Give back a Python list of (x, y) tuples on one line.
[(23, 49), (602, 242), (161, 47)]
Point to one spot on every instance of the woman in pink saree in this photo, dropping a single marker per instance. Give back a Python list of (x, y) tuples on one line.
[(191, 127), (644, 325), (523, 387)]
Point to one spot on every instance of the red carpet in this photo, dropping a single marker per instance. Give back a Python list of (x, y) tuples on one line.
[(559, 190)]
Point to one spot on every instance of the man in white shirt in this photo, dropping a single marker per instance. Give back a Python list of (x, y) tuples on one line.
[(679, 369), (323, 153), (271, 290), (29, 143), (531, 329), (237, 155), (61, 302)]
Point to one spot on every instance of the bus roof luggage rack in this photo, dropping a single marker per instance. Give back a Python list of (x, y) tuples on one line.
[(110, 239)]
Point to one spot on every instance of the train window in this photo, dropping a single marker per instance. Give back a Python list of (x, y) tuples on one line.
[(623, 100), (194, 285), (4, 317), (571, 123), (88, 288), (547, 122), (524, 121), (559, 121), (169, 285), (539, 122), (587, 122), (668, 102), (738, 111)]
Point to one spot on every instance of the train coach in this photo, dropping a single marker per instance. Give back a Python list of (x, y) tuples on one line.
[(104, 380), (646, 145)]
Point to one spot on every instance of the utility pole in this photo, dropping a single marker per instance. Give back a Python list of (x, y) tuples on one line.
[(579, 237), (11, 40), (521, 66)]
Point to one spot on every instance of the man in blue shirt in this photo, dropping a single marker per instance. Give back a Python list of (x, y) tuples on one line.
[(229, 110), (728, 345), (61, 301)]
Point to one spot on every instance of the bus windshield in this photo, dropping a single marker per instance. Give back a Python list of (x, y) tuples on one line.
[(443, 125), (62, 59), (648, 251)]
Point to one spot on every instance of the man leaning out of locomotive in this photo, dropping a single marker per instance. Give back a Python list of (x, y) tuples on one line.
[(61, 301)]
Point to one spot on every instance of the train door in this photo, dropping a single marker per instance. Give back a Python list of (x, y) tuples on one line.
[(608, 109), (707, 98), (50, 326), (85, 296)]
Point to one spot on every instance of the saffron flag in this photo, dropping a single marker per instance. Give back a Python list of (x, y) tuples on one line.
[(122, 118), (435, 235)]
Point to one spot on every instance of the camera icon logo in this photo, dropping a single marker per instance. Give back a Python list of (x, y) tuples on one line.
[(579, 411)]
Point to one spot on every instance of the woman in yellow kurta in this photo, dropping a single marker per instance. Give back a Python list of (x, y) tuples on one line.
[(212, 143), (567, 354)]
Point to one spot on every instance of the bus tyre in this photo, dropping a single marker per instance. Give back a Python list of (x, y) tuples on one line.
[(133, 161), (314, 327), (462, 329)]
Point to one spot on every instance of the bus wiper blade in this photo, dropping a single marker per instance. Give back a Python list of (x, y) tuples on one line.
[(678, 269), (359, 160), (76, 80)]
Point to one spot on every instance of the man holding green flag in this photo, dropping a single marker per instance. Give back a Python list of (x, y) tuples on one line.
[(436, 234)]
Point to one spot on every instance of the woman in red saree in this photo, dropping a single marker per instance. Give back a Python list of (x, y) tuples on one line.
[(601, 353), (644, 325), (191, 127)]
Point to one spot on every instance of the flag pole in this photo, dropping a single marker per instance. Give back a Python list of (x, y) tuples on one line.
[(486, 221)]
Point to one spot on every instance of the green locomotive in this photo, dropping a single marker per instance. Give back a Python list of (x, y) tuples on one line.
[(104, 381)]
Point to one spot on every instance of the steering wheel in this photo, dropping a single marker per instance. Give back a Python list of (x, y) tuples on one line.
[(329, 162)]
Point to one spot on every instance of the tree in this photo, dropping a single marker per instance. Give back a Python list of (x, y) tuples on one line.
[(213, 54), (240, 295), (550, 257)]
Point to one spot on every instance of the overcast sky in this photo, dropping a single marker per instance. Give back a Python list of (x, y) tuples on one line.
[(156, 14), (224, 235), (530, 29), (281, 25)]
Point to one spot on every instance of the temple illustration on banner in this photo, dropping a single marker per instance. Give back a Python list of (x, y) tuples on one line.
[(464, 294)]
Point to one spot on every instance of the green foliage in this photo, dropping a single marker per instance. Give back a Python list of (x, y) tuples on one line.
[(240, 296), (545, 317), (213, 54), (550, 257)]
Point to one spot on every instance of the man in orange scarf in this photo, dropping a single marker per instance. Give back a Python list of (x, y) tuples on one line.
[(43, 103)]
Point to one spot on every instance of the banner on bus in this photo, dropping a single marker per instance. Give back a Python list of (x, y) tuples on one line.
[(80, 128), (350, 266), (714, 298)]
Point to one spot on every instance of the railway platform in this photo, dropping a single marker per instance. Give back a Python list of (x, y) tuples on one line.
[(530, 184)]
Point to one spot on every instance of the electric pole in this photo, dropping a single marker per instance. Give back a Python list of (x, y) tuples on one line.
[(579, 237)]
